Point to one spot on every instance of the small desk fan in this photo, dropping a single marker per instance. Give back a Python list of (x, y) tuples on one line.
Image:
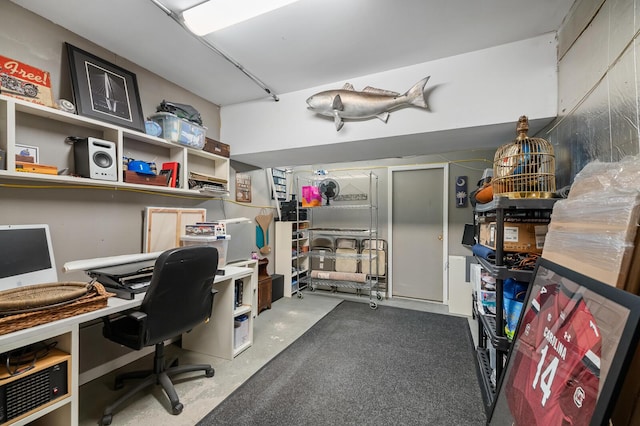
[(329, 189)]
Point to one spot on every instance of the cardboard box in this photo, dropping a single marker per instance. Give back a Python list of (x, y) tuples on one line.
[(598, 237), (518, 236), (595, 230), (215, 147)]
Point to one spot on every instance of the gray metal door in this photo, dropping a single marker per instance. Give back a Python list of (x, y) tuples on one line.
[(417, 233)]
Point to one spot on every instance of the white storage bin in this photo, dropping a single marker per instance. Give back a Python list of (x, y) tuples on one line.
[(240, 331), (220, 242)]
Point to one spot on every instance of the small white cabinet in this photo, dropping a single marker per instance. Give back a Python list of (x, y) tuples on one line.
[(25, 123)]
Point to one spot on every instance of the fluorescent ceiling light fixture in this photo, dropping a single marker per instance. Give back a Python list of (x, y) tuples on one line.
[(214, 15)]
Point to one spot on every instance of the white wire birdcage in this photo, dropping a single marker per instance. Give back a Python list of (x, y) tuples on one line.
[(525, 167)]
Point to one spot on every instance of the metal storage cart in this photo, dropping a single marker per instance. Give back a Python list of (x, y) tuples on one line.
[(352, 201)]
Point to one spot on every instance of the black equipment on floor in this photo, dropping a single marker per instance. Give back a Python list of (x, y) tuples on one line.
[(277, 287)]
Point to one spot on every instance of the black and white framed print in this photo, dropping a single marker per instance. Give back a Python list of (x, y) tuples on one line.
[(104, 91)]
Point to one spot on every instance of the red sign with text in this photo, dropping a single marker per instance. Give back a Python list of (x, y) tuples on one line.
[(23, 81)]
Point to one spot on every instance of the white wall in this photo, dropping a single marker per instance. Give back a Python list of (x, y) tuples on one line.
[(481, 88)]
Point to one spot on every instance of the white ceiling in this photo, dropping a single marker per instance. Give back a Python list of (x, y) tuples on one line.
[(303, 45)]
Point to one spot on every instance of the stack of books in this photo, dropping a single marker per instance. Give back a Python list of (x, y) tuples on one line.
[(238, 290), (206, 182)]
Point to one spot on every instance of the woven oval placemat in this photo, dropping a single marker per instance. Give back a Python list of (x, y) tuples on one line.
[(96, 298), (38, 296)]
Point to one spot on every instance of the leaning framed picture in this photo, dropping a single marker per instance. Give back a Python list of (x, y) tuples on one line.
[(104, 91), (572, 348), (28, 151), (243, 188)]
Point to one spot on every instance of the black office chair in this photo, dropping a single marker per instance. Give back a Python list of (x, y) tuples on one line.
[(179, 297)]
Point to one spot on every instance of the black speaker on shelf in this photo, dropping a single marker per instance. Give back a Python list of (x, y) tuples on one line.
[(95, 158)]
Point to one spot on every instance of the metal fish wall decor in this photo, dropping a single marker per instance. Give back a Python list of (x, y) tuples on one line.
[(370, 102)]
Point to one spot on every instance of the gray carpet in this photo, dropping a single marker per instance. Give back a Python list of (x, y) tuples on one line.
[(359, 366)]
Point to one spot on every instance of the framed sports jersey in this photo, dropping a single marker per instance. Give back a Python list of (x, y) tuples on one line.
[(573, 345)]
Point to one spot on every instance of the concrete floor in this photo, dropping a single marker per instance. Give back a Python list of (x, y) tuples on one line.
[(274, 330)]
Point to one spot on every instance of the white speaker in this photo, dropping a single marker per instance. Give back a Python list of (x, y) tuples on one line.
[(95, 159)]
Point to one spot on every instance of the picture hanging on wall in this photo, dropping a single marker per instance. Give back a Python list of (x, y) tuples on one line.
[(461, 191), (573, 345), (243, 188), (104, 91)]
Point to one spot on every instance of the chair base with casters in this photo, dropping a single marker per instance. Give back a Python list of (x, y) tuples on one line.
[(160, 375), (179, 297)]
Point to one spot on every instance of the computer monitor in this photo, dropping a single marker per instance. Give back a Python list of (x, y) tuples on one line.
[(26, 256), (469, 235), (242, 241)]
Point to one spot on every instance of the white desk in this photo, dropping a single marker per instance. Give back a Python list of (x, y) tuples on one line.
[(64, 411), (217, 339)]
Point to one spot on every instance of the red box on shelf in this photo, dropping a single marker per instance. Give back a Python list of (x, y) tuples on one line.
[(174, 167)]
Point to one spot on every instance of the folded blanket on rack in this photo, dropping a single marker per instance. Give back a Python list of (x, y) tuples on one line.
[(339, 276), (484, 252)]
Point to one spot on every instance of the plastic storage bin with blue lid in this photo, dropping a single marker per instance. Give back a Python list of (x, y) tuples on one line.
[(178, 130)]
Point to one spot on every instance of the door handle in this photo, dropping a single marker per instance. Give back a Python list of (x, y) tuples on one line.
[(440, 237)]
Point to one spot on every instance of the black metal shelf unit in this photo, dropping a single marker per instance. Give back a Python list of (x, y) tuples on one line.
[(502, 272), (491, 327)]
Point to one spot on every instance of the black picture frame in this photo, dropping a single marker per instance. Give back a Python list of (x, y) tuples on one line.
[(565, 370), (104, 91)]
